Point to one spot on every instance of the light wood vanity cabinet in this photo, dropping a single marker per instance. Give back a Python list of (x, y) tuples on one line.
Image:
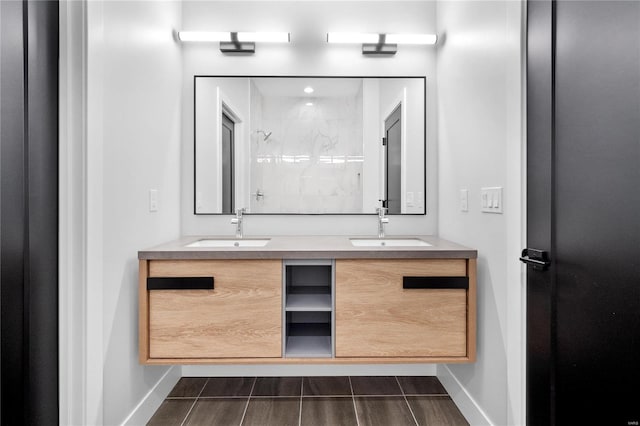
[(377, 317), (239, 318), (384, 311)]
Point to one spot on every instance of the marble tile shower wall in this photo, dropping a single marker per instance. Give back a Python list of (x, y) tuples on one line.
[(312, 162)]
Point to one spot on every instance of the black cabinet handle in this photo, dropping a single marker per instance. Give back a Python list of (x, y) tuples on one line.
[(180, 283), (435, 282)]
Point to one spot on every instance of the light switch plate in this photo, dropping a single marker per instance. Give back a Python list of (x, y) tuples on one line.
[(409, 198), (153, 200), (491, 199), (464, 200)]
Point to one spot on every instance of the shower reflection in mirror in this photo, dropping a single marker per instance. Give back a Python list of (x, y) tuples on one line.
[(309, 145)]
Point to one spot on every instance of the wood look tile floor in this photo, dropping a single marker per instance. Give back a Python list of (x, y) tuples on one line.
[(309, 401)]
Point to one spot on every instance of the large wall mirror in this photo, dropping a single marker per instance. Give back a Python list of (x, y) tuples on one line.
[(309, 145)]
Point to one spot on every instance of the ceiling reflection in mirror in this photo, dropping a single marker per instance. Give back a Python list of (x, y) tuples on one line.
[(309, 145)]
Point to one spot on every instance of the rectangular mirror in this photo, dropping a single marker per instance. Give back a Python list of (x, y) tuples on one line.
[(309, 145)]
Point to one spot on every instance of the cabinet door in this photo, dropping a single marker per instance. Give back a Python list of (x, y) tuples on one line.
[(240, 318), (376, 317)]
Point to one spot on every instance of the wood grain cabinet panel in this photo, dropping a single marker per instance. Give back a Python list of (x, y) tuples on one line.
[(240, 318), (376, 317)]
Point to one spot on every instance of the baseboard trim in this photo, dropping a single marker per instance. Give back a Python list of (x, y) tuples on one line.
[(465, 402), (145, 409), (309, 370)]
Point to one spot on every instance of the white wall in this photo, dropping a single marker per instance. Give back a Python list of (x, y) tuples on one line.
[(480, 140), (307, 54), (134, 112)]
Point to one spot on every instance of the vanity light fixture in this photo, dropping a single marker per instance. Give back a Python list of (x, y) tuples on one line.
[(235, 42), (380, 44)]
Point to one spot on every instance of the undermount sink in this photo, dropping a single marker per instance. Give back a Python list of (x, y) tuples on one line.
[(229, 243), (388, 242)]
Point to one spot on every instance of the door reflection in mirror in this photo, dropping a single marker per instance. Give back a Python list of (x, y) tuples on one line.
[(227, 164), (393, 158)]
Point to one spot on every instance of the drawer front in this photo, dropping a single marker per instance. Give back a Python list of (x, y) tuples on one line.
[(241, 317), (377, 317)]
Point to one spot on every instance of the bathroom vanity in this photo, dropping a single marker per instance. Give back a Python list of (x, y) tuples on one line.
[(307, 300)]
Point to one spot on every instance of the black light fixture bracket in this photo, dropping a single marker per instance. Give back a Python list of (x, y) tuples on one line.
[(236, 46), (380, 48)]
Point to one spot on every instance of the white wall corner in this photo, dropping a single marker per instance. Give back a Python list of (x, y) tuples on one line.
[(145, 409), (468, 406), (516, 222), (76, 404), (93, 167)]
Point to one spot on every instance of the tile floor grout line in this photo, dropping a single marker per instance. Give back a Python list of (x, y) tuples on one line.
[(244, 413), (195, 401), (383, 395), (326, 396), (301, 393), (180, 397), (276, 397), (406, 401), (443, 395), (353, 399), (223, 397)]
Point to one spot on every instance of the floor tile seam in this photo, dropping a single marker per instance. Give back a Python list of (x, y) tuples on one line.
[(399, 395), (274, 396), (442, 395), (407, 402), (353, 400), (194, 402), (327, 396), (246, 406), (301, 393), (225, 397)]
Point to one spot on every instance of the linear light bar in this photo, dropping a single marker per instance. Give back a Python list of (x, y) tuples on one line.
[(242, 37), (370, 38)]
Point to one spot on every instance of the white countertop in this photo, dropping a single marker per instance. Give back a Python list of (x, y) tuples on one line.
[(308, 247)]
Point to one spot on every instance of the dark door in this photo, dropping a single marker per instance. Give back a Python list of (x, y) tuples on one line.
[(227, 165), (583, 172), (29, 212), (393, 182)]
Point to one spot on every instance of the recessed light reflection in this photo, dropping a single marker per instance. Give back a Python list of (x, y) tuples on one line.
[(309, 104), (308, 89)]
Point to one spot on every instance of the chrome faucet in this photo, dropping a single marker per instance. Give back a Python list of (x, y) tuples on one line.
[(382, 219), (238, 222)]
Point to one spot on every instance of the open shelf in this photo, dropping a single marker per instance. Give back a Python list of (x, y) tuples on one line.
[(310, 329), (308, 298), (309, 289), (308, 306), (309, 340), (308, 302), (308, 347)]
